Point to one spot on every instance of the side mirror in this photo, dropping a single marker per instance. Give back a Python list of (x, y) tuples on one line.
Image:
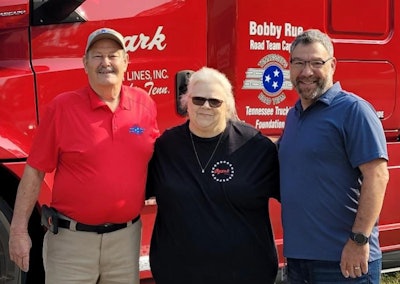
[(181, 82)]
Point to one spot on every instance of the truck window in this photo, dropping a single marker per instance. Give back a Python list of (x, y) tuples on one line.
[(55, 11), (61, 11), (372, 19)]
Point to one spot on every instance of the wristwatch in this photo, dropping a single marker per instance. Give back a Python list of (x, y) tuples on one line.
[(359, 238)]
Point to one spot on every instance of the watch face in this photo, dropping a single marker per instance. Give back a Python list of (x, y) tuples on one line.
[(359, 238)]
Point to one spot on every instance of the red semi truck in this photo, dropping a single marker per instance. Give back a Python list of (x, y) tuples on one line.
[(42, 43)]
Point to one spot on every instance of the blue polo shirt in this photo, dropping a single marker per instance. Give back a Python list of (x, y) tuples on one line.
[(319, 153)]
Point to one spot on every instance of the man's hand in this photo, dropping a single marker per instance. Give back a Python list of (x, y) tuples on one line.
[(27, 194), (354, 261), (20, 244)]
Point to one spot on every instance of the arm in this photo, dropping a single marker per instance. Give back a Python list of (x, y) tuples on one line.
[(375, 178), (28, 192)]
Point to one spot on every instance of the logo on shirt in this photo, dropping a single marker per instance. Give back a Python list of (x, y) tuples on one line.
[(222, 171), (136, 129)]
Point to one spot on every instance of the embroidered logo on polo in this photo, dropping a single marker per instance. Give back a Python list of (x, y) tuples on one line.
[(222, 171), (136, 129)]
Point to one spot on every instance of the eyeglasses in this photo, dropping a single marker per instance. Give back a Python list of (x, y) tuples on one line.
[(199, 101), (314, 64)]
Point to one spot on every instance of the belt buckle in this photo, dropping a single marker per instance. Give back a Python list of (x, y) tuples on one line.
[(105, 228)]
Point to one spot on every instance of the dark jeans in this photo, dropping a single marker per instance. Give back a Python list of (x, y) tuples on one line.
[(326, 272)]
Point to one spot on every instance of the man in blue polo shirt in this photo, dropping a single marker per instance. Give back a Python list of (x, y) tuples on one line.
[(333, 166)]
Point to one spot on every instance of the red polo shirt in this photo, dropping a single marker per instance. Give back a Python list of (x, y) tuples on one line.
[(100, 157)]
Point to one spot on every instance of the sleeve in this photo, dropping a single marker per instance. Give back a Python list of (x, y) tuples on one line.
[(155, 130), (43, 155), (151, 174), (364, 136), (273, 173), (263, 155)]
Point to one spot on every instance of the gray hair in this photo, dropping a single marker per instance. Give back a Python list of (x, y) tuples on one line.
[(210, 75), (312, 36)]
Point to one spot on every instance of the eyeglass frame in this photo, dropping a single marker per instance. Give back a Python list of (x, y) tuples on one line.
[(320, 63), (212, 102)]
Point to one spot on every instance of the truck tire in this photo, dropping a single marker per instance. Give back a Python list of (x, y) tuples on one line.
[(9, 272)]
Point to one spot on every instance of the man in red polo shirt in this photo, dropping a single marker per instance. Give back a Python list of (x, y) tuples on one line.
[(99, 140)]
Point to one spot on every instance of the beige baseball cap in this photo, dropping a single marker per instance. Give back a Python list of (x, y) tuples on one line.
[(102, 34)]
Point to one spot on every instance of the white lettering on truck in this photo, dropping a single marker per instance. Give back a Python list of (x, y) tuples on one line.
[(291, 30), (142, 41), (270, 29), (265, 29), (270, 124), (267, 111), (273, 31)]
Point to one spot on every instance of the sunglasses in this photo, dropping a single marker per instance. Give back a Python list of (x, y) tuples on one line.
[(199, 101)]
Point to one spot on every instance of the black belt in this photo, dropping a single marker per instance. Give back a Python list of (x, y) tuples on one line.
[(100, 229)]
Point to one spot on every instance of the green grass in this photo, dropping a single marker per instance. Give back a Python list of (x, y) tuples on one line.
[(391, 278)]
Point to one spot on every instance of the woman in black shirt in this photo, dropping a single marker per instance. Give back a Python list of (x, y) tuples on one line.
[(212, 177)]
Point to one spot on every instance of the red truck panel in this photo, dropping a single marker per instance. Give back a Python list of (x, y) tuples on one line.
[(248, 40)]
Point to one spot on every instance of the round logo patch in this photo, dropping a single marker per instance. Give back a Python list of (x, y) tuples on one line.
[(222, 171)]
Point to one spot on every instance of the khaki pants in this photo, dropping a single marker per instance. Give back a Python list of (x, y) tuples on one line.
[(90, 258)]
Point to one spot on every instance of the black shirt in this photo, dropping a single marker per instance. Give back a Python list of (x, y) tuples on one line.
[(213, 227)]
